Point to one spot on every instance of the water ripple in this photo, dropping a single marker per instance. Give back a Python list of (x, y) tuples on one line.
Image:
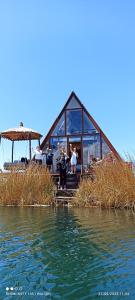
[(66, 253)]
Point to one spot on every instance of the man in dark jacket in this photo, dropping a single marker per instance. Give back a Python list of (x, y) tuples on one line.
[(62, 170)]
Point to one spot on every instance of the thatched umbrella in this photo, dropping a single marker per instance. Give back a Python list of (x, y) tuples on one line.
[(21, 133)]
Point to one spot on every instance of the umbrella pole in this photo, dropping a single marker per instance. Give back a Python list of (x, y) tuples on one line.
[(39, 143), (12, 151), (30, 149)]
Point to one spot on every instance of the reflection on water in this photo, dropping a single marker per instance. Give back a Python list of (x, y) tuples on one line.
[(67, 253)]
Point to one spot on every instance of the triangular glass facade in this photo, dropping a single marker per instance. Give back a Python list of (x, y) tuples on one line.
[(75, 126)]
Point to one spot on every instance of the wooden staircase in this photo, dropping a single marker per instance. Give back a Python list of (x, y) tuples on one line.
[(65, 197), (72, 181)]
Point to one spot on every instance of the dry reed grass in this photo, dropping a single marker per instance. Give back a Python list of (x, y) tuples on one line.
[(114, 186), (34, 186)]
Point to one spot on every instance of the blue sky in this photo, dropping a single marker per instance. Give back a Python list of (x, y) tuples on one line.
[(50, 47)]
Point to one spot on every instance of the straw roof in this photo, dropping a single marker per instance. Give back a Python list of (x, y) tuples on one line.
[(20, 133)]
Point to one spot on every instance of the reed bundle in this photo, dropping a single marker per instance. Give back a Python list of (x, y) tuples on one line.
[(34, 186), (113, 186)]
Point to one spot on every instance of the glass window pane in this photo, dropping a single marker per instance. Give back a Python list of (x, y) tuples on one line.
[(74, 121), (88, 125), (91, 149), (74, 139), (73, 104), (105, 148), (56, 144), (60, 127), (46, 146)]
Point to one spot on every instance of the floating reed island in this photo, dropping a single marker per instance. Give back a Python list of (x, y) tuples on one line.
[(113, 186), (32, 187)]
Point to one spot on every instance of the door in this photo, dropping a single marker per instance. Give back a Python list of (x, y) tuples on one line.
[(76, 144)]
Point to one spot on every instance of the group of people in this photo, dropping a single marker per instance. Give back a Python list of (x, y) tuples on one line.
[(63, 161), (40, 157)]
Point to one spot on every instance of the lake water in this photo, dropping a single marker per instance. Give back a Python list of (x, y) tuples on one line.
[(67, 253)]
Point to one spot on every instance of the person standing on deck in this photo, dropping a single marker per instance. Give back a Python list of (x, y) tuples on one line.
[(62, 164), (74, 157), (38, 155), (49, 160)]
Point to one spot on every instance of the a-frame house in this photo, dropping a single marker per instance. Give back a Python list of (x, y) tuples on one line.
[(75, 126)]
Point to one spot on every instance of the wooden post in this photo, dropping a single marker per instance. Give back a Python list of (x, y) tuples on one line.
[(12, 158), (101, 154), (81, 155), (30, 147)]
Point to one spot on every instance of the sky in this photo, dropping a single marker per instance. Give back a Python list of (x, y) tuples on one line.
[(49, 48)]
